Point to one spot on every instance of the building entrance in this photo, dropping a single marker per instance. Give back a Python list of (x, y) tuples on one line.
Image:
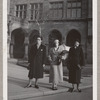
[(33, 36), (17, 41), (72, 36), (55, 34)]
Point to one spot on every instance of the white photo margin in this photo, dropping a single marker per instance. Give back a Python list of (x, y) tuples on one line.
[(5, 94)]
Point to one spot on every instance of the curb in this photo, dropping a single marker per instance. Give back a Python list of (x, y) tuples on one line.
[(41, 93), (25, 96)]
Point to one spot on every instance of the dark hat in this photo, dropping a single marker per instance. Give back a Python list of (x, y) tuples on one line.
[(77, 40)]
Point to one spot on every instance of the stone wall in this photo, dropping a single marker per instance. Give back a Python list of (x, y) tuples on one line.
[(64, 26)]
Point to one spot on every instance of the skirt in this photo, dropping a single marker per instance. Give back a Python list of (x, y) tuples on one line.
[(56, 73), (74, 76)]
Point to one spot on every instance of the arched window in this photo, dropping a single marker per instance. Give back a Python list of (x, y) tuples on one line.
[(74, 9)]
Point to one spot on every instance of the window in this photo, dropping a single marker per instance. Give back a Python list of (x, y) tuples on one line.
[(36, 11), (56, 10), (21, 11), (74, 9)]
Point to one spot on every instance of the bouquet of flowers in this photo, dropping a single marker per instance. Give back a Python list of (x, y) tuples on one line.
[(64, 51)]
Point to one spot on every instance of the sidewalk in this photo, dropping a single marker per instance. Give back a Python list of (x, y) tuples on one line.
[(87, 70), (17, 80)]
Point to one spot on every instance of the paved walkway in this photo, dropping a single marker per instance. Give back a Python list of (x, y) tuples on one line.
[(17, 80)]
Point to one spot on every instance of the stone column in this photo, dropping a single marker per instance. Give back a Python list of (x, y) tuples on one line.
[(11, 48), (64, 9), (26, 42), (8, 47)]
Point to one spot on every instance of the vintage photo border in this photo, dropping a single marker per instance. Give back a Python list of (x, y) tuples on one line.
[(98, 49), (5, 94), (1, 54), (3, 50), (94, 49)]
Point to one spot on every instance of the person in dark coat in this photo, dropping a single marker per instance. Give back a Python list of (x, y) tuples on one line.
[(75, 64), (37, 57)]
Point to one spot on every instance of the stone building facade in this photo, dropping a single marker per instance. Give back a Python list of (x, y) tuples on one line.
[(66, 20)]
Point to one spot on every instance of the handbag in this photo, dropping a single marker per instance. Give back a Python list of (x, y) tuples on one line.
[(59, 60)]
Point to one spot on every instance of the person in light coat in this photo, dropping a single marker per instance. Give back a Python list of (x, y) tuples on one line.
[(56, 69)]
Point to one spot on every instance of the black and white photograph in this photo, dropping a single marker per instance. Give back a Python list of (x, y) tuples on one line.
[(50, 49)]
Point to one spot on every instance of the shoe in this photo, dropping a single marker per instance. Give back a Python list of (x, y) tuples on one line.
[(28, 86), (54, 88), (36, 86), (79, 90), (70, 90)]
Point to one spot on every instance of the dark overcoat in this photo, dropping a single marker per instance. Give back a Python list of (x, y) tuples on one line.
[(36, 59), (75, 61)]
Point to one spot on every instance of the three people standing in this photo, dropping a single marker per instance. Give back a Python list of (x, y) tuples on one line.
[(37, 58)]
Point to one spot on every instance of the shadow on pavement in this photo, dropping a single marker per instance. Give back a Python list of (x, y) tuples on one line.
[(22, 83)]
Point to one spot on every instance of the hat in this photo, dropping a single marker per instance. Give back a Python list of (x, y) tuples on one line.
[(77, 40), (38, 36)]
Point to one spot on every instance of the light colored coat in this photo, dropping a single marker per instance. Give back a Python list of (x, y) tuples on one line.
[(56, 71)]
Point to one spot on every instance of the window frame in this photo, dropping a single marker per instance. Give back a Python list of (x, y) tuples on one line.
[(39, 9), (57, 9), (71, 8), (21, 12)]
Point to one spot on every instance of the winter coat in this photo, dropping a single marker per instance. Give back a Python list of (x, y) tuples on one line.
[(37, 58), (75, 61)]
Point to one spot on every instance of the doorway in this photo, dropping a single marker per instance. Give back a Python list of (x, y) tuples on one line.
[(54, 34), (72, 36)]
